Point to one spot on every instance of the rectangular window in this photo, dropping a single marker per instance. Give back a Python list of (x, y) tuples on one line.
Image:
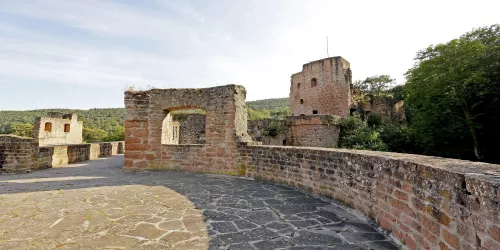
[(301, 101), (48, 127), (315, 112), (66, 128)]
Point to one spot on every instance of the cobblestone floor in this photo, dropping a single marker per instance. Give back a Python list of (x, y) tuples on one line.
[(96, 205)]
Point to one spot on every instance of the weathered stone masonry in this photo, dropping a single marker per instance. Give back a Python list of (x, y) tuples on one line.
[(424, 202), (305, 131), (322, 87), (225, 126), (18, 154), (22, 154)]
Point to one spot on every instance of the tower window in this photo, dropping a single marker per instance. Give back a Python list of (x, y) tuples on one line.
[(298, 85), (315, 112), (314, 82), (301, 101), (48, 127), (67, 128)]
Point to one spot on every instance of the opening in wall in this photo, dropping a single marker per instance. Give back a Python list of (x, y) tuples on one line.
[(184, 126), (301, 101), (314, 82), (67, 128), (48, 127), (315, 112), (298, 85)]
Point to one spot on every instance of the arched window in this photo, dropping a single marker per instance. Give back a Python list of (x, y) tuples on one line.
[(67, 128), (48, 127), (314, 82)]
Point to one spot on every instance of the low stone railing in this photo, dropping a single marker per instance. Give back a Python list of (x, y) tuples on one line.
[(424, 202), (60, 155), (22, 154), (17, 154)]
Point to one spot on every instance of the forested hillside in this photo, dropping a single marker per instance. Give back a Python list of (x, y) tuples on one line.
[(107, 124), (268, 108), (99, 124), (270, 104)]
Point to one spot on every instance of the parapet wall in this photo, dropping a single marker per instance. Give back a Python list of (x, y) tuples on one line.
[(21, 154), (17, 154), (424, 202), (60, 155)]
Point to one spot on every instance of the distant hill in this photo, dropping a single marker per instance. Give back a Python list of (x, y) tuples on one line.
[(270, 104), (107, 119)]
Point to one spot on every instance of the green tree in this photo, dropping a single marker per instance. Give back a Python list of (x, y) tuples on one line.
[(116, 134), (258, 114), (93, 134), (374, 85), (22, 129), (453, 92), (356, 134)]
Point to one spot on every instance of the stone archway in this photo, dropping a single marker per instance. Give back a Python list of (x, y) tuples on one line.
[(226, 126)]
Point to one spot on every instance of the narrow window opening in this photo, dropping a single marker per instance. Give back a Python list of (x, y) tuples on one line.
[(315, 112), (314, 82), (284, 142), (298, 85), (301, 101), (48, 127), (67, 128), (183, 125)]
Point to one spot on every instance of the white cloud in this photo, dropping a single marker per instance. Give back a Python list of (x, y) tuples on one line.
[(258, 44)]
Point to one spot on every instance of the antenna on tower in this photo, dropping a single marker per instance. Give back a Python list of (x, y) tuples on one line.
[(327, 54)]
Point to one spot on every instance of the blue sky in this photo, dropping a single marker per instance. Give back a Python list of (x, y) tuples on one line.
[(85, 53)]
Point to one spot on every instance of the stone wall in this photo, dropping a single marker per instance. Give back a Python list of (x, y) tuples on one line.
[(58, 129), (61, 155), (383, 106), (314, 131), (191, 128), (322, 86), (308, 130), (225, 126), (17, 154), (262, 131), (424, 202)]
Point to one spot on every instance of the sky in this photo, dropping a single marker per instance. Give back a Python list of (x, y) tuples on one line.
[(85, 53)]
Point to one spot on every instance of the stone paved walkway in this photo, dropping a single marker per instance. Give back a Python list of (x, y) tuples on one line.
[(96, 205)]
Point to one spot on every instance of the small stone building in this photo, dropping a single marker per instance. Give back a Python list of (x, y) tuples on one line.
[(57, 128)]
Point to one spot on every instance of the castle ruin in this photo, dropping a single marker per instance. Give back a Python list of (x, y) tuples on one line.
[(57, 128), (57, 141)]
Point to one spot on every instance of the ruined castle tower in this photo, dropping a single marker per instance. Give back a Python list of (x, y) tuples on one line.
[(322, 88)]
